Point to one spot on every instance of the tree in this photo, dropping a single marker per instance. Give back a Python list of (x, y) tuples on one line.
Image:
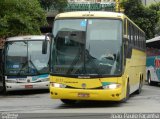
[(58, 5), (21, 17), (156, 7), (144, 17)]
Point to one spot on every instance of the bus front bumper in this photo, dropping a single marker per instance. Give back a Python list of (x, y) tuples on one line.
[(86, 94), (27, 86)]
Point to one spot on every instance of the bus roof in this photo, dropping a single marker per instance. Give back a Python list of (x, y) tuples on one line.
[(90, 14), (27, 37), (94, 14), (153, 39)]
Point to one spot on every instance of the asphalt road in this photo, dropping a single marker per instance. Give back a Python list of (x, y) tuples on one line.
[(37, 104)]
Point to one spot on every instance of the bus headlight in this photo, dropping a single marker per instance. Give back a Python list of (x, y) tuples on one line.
[(45, 79), (112, 86), (57, 85), (11, 81)]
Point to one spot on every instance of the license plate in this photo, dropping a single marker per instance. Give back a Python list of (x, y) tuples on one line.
[(28, 86), (83, 94)]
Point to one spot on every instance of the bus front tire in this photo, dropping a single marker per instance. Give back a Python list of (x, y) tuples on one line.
[(127, 93), (151, 83), (69, 102), (3, 90)]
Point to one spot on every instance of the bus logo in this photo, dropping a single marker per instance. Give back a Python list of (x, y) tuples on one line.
[(83, 85), (28, 81)]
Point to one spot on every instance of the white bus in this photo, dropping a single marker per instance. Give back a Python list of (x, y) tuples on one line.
[(23, 64), (153, 61)]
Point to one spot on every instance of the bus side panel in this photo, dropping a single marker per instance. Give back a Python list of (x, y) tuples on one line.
[(136, 69), (153, 68)]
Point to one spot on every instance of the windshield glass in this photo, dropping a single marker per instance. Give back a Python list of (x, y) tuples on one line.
[(26, 58), (67, 53), (103, 47), (87, 47)]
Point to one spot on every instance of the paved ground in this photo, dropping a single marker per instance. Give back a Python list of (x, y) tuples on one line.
[(39, 102)]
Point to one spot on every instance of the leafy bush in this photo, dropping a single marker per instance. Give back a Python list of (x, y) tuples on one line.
[(21, 17)]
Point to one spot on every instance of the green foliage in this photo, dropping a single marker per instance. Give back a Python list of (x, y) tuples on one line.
[(58, 5), (20, 17), (157, 30), (156, 7), (144, 17)]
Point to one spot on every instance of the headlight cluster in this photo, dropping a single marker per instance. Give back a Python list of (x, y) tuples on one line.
[(57, 85), (45, 79), (111, 86), (11, 81)]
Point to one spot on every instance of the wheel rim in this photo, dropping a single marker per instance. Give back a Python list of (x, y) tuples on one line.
[(149, 79), (140, 86)]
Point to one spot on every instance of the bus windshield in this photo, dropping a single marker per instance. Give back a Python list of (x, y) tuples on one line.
[(26, 58), (87, 47)]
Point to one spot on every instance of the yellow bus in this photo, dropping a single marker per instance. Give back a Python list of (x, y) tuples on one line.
[(96, 56)]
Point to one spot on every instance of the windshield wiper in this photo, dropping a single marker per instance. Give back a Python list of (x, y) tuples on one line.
[(25, 65), (34, 66), (75, 60), (22, 67), (91, 60)]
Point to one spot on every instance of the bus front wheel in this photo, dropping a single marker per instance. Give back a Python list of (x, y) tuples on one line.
[(4, 91), (3, 88), (151, 83), (69, 102), (127, 93)]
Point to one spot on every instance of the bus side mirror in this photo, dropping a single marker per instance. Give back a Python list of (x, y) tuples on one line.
[(3, 55), (2, 51), (45, 43), (127, 47), (125, 44), (44, 47)]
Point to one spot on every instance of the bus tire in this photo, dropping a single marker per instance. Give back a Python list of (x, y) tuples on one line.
[(69, 102), (4, 91), (3, 87), (127, 93), (139, 90), (151, 83)]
